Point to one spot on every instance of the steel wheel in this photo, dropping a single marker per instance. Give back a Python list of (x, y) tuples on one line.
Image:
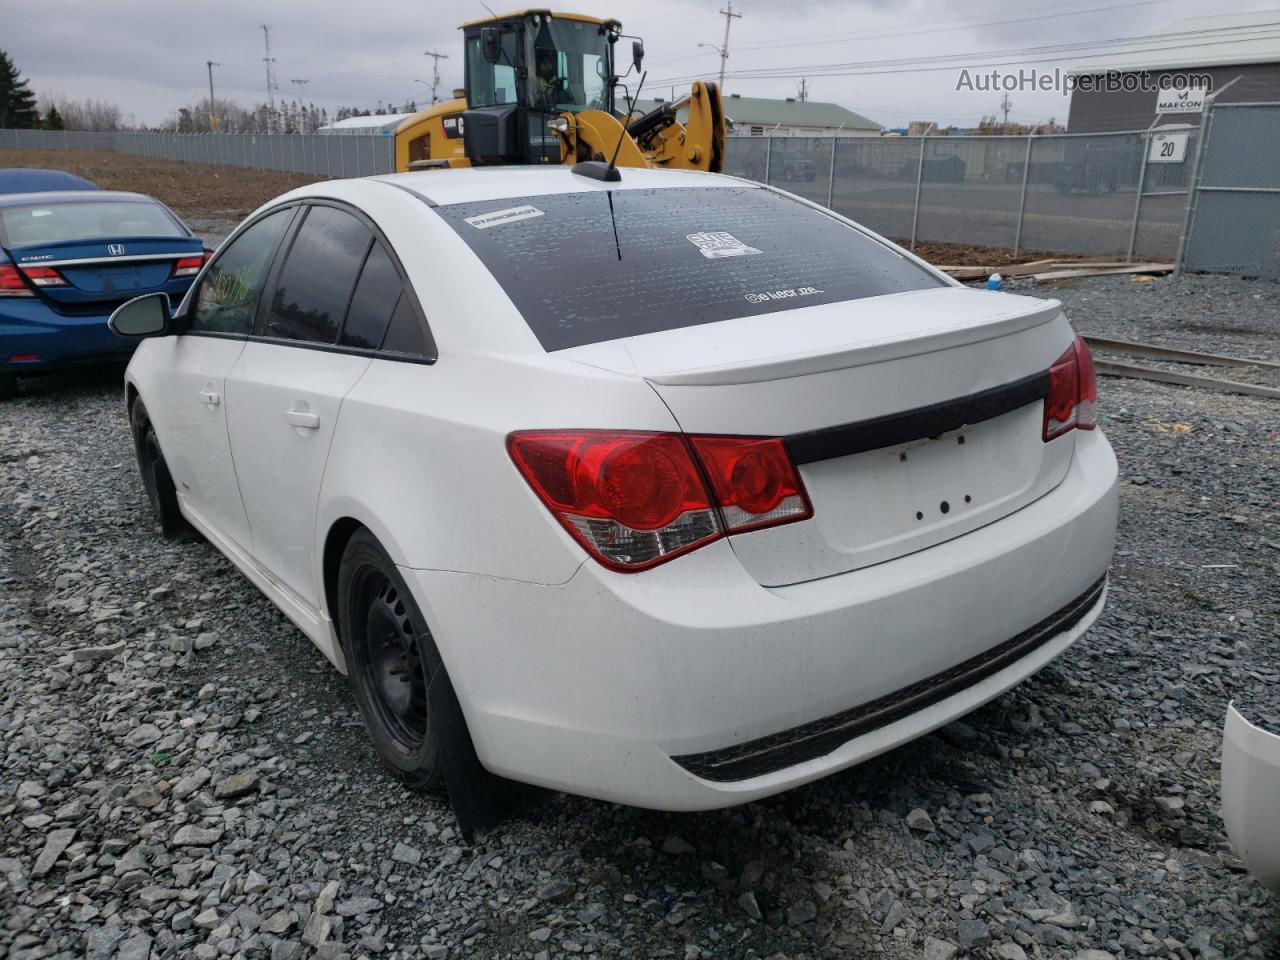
[(392, 663)]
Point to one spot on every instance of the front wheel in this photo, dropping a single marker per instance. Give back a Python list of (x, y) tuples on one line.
[(156, 479)]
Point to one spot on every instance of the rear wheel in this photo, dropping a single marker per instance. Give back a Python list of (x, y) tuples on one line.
[(392, 663), (8, 386), (156, 479)]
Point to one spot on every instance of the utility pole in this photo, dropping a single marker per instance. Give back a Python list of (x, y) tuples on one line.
[(804, 89), (435, 69), (271, 82), (729, 16), (213, 120), (1005, 104)]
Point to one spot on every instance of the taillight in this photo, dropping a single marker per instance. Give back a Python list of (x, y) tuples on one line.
[(44, 276), (11, 284), (189, 266), (1072, 401), (634, 500), (754, 481)]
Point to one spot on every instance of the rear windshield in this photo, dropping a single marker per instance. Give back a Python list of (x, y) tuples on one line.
[(91, 220), (589, 267)]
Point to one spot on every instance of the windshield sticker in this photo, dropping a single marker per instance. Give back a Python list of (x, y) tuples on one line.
[(782, 294), (496, 218), (719, 244)]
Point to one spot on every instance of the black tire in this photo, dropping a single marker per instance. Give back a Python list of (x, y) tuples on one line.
[(156, 479), (8, 386), (393, 665)]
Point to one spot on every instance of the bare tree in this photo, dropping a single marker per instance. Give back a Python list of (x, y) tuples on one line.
[(86, 114)]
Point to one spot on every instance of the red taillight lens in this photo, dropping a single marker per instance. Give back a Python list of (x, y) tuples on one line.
[(634, 500), (11, 284), (1073, 393), (754, 481), (44, 276), (189, 266)]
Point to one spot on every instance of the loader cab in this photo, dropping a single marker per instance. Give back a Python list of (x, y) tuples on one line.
[(522, 71)]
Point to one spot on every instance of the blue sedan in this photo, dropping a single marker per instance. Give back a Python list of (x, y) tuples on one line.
[(68, 259)]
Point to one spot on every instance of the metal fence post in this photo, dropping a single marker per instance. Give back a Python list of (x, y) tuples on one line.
[(831, 174), (915, 212), (768, 157), (1022, 203), (1142, 185)]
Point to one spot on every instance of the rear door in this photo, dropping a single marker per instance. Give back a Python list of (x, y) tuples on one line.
[(188, 405), (285, 391)]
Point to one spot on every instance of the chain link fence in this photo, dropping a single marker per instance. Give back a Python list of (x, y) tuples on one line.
[(1091, 194), (1233, 223), (1109, 194), (359, 155)]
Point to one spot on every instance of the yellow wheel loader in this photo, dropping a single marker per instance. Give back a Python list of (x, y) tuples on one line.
[(540, 88)]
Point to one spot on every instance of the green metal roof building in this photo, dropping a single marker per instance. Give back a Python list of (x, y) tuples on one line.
[(756, 116)]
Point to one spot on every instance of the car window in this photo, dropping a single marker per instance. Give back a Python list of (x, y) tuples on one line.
[(377, 293), (407, 335), (671, 258), (228, 295), (315, 284), (68, 221)]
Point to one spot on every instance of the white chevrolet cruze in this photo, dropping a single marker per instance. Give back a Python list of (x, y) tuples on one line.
[(678, 491)]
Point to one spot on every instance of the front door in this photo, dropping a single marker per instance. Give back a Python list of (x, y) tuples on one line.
[(191, 420)]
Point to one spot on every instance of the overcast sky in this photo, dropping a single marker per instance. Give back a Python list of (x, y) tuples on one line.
[(149, 57)]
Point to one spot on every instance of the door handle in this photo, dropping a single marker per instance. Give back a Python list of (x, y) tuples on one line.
[(211, 398), (300, 418)]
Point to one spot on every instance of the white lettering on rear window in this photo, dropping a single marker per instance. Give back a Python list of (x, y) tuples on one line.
[(496, 218), (714, 245), (782, 294)]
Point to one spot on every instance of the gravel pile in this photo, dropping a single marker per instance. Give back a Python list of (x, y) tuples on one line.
[(183, 775)]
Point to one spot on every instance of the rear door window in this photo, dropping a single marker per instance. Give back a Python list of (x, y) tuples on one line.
[(588, 267), (377, 293), (315, 284)]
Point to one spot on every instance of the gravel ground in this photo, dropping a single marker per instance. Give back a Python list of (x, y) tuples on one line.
[(183, 775)]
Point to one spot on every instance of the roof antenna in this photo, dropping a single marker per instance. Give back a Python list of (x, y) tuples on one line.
[(489, 8), (609, 172)]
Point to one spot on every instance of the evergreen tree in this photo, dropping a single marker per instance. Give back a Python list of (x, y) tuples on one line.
[(53, 119), (17, 102)]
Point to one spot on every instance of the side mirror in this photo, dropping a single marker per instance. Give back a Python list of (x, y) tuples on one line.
[(637, 53), (146, 316), (490, 44)]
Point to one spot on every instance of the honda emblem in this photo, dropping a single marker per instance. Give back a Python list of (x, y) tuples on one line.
[(115, 249)]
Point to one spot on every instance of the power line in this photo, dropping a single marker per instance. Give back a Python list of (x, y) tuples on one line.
[(951, 61)]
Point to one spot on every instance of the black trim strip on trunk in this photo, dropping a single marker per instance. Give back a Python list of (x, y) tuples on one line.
[(935, 419), (775, 752)]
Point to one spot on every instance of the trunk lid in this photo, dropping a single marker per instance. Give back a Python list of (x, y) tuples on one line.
[(95, 274), (914, 417)]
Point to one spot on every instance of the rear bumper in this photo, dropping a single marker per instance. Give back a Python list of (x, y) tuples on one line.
[(595, 686), (1251, 795), (53, 341)]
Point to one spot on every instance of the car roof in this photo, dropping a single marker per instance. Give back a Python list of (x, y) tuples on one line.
[(477, 184), (72, 196), (29, 180)]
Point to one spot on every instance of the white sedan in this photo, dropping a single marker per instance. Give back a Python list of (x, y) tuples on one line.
[(679, 491)]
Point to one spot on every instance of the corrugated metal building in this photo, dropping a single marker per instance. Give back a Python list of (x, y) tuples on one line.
[(1243, 45), (758, 117), (384, 124)]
